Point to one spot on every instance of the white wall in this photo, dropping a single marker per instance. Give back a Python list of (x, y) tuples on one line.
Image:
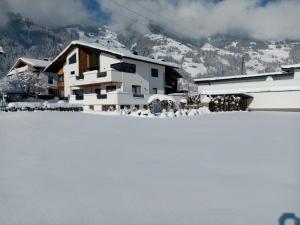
[(279, 94), (106, 60), (287, 100), (123, 94), (144, 79), (297, 74), (67, 72)]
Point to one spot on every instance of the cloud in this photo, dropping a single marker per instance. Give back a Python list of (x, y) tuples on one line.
[(48, 12), (260, 19), (203, 18)]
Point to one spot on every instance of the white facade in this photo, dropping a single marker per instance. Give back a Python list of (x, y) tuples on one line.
[(270, 91), (104, 87)]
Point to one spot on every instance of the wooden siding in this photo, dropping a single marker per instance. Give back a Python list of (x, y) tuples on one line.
[(83, 61)]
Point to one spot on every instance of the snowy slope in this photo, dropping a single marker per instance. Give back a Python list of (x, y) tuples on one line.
[(213, 58), (99, 170)]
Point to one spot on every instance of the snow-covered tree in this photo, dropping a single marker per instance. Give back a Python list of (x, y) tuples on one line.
[(4, 85), (28, 82)]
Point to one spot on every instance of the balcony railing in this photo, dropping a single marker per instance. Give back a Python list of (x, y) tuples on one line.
[(79, 97), (102, 74), (80, 77), (101, 96), (138, 96)]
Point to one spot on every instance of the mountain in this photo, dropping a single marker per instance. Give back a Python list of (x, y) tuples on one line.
[(215, 56)]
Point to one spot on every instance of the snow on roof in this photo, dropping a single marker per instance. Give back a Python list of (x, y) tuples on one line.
[(266, 86), (293, 66), (36, 62), (239, 76), (32, 62), (120, 52)]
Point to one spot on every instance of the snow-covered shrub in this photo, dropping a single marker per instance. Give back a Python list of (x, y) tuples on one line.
[(171, 114), (203, 110), (223, 103), (41, 106), (192, 112), (164, 114), (158, 103), (178, 113)]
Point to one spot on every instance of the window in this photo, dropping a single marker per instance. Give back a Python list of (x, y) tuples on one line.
[(72, 72), (50, 79), (154, 90), (94, 61), (60, 78), (154, 72), (79, 92), (50, 91), (124, 67), (98, 91), (136, 89), (73, 59), (111, 88)]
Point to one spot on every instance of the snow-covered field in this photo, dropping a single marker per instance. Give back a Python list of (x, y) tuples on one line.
[(82, 169)]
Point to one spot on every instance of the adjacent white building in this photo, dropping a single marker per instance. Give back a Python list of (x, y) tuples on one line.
[(36, 66), (1, 50), (101, 78), (267, 91)]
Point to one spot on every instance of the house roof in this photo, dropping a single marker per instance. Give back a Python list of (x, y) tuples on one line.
[(238, 77), (266, 86), (32, 62), (119, 52), (293, 66)]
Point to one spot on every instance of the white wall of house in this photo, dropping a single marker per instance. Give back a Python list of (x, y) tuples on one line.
[(143, 77), (123, 81), (278, 92), (106, 60), (297, 74), (281, 100), (68, 69)]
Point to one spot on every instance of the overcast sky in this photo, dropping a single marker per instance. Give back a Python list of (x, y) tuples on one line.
[(261, 19)]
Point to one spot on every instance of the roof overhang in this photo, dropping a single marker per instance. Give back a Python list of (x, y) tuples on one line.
[(60, 59), (238, 77), (288, 67)]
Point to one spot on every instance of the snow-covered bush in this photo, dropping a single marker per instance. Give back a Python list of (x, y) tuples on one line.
[(224, 103), (163, 114), (192, 112), (32, 106), (158, 103), (203, 110)]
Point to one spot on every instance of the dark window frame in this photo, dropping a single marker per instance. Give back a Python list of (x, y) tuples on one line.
[(50, 79), (136, 87), (124, 67), (73, 59), (111, 88), (154, 72)]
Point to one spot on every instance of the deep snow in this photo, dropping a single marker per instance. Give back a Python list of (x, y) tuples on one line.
[(74, 168)]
